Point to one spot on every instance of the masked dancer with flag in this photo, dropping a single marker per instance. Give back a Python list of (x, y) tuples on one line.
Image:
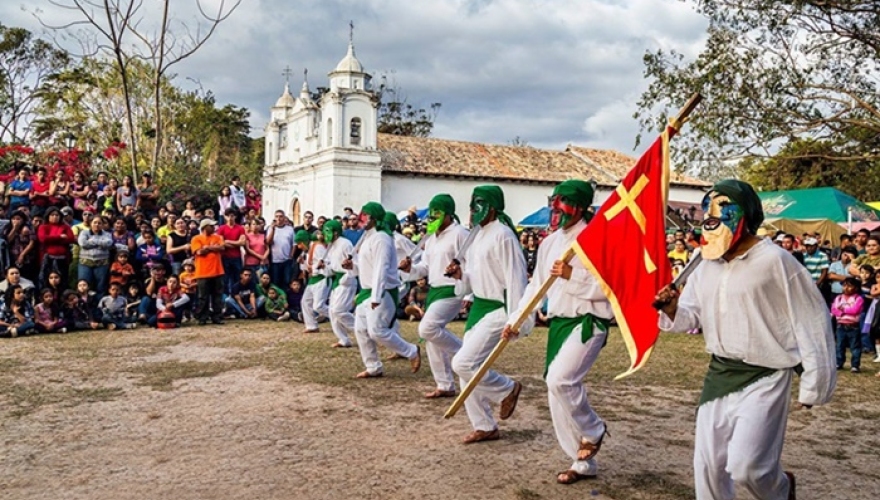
[(445, 237), (314, 299), (343, 282), (763, 319), (495, 272), (579, 316), (376, 303)]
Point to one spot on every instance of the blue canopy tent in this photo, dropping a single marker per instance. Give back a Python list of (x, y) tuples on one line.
[(421, 213), (540, 218)]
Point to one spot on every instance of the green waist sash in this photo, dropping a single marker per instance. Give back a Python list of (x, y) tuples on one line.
[(439, 293), (727, 376), (314, 280), (334, 281), (561, 328), (365, 294), (480, 308)]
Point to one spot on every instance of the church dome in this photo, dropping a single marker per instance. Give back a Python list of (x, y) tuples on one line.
[(286, 100), (349, 63)]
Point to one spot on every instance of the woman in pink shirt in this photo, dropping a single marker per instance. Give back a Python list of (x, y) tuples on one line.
[(256, 255)]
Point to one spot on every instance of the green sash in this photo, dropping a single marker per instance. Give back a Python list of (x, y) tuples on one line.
[(480, 308), (439, 293), (561, 328), (365, 294), (727, 376), (334, 281), (314, 280)]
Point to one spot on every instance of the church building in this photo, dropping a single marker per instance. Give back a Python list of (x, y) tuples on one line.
[(327, 155)]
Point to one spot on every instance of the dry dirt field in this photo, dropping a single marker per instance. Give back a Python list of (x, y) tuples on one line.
[(260, 410)]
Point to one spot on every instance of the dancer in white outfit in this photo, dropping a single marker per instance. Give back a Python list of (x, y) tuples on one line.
[(445, 237), (763, 319), (314, 299), (343, 282), (579, 316), (375, 311), (496, 274)]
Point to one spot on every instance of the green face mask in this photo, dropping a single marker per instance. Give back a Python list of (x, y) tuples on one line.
[(328, 235), (435, 220), (479, 210)]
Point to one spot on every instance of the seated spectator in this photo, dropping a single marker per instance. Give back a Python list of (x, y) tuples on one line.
[(189, 286), (243, 300), (294, 299), (133, 299), (150, 254), (154, 283), (171, 298), (16, 312), (76, 314), (112, 309), (54, 285), (89, 297), (46, 316), (276, 305), (264, 284), (415, 307), (14, 278)]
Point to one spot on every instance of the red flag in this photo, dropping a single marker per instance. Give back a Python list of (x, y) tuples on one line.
[(624, 246)]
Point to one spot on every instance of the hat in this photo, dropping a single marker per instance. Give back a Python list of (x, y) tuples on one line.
[(189, 262), (412, 209), (780, 237), (811, 241), (67, 211), (207, 222), (88, 210), (147, 174)]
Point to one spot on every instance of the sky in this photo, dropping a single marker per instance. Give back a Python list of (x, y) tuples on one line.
[(550, 72)]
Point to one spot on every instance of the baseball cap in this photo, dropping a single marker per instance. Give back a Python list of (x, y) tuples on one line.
[(66, 210), (207, 222), (811, 241), (780, 237)]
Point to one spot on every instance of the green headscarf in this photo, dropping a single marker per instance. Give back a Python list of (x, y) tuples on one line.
[(377, 213), (745, 196), (330, 227), (442, 203), (302, 236), (494, 197), (390, 222), (579, 193)]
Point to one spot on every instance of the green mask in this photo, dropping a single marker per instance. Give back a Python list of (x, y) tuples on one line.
[(328, 235), (435, 220), (479, 210)]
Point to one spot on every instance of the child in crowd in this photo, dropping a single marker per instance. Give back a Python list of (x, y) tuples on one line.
[(76, 315), (276, 305), (133, 299), (53, 284), (121, 272), (188, 285), (112, 309), (847, 309), (172, 298), (150, 253), (46, 315), (866, 275), (16, 312), (88, 297), (294, 299), (190, 211)]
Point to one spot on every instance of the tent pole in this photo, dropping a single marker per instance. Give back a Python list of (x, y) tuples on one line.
[(849, 219)]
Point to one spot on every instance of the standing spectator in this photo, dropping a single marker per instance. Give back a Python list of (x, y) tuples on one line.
[(121, 272), (163, 231), (846, 309), (207, 248), (22, 244), (238, 195), (59, 191), (837, 271), (225, 199), (94, 256), (150, 254), (40, 197), (679, 251), (177, 245), (412, 217), (530, 252), (20, 190), (122, 238), (55, 238), (870, 257), (351, 230), (307, 225), (254, 201), (817, 263), (147, 195), (280, 240), (861, 240), (79, 190), (242, 301), (126, 194), (788, 244), (256, 252), (233, 240), (190, 211), (845, 241)]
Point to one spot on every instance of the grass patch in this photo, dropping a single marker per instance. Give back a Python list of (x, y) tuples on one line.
[(526, 494), (26, 399), (162, 375)]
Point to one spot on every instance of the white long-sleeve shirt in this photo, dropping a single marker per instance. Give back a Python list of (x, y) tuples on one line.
[(377, 264), (337, 252), (318, 254), (495, 268), (762, 308), (403, 248), (440, 249), (577, 296)]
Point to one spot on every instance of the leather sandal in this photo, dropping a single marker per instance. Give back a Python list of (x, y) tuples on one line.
[(588, 450), (479, 436), (508, 404), (416, 362), (571, 476)]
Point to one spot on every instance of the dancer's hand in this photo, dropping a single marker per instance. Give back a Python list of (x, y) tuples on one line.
[(405, 265), (561, 269), (453, 270), (509, 333), (666, 300)]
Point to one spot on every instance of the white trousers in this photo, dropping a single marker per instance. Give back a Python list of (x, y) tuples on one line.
[(573, 417), (314, 303), (494, 387), (341, 318), (739, 441), (379, 326), (441, 344)]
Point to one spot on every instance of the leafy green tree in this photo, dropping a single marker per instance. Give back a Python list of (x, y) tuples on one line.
[(773, 73), (26, 64)]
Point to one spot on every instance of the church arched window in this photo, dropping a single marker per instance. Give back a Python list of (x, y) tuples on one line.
[(355, 136), (329, 132)]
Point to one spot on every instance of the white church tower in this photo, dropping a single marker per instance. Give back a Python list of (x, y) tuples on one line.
[(322, 156)]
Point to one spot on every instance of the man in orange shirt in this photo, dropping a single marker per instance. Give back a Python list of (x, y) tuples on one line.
[(207, 248)]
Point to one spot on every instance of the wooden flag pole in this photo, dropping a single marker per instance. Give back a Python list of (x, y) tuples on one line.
[(499, 348), (456, 405)]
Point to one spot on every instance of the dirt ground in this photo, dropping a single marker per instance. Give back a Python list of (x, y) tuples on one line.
[(260, 410)]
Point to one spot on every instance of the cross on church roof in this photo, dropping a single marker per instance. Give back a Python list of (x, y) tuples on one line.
[(351, 32), (286, 73)]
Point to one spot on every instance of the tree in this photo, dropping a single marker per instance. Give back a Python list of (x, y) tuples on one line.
[(774, 73), (26, 63), (519, 142), (398, 117)]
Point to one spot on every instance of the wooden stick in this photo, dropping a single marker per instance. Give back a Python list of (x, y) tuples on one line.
[(499, 348)]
